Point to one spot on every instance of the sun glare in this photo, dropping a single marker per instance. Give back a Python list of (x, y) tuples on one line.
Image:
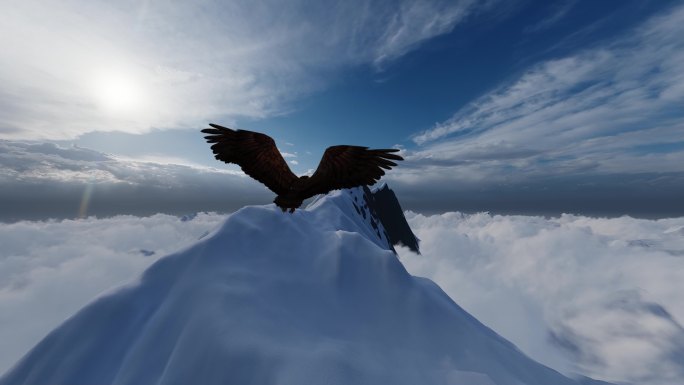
[(118, 93)]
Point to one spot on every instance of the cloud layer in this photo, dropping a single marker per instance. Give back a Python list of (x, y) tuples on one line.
[(43, 180), (49, 270), (71, 67), (600, 297)]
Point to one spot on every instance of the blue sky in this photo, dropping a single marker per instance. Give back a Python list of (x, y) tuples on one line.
[(503, 106)]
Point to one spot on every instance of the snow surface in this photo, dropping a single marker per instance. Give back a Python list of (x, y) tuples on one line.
[(313, 297)]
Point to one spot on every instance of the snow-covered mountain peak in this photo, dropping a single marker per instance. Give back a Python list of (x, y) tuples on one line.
[(349, 210), (314, 297), (377, 212)]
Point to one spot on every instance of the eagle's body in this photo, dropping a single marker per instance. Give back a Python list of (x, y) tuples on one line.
[(258, 156)]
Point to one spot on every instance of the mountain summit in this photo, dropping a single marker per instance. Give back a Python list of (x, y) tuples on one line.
[(314, 297)]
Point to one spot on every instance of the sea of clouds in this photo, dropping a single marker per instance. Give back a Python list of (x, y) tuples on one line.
[(594, 296), (50, 269)]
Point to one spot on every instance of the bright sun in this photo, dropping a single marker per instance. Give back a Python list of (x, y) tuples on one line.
[(118, 93)]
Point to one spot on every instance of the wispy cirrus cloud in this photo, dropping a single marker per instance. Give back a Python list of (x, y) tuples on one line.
[(416, 22), (598, 132), (71, 67), (613, 108), (558, 12)]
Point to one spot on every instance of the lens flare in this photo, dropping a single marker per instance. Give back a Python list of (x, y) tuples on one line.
[(85, 200)]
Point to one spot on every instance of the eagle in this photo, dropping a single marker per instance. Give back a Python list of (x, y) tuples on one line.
[(341, 166)]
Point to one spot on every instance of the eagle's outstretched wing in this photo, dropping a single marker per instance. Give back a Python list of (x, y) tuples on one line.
[(347, 167), (255, 153)]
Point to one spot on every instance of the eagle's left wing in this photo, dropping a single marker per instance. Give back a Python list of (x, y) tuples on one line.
[(347, 167), (255, 153)]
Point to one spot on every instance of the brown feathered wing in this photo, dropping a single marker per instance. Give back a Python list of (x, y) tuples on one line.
[(255, 153), (347, 167)]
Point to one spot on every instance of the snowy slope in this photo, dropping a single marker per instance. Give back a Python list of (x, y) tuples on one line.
[(314, 297)]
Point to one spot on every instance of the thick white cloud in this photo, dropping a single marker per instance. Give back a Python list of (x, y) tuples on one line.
[(597, 296), (71, 67), (613, 108), (48, 270)]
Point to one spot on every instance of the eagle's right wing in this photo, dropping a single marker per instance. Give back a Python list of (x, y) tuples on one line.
[(255, 153), (347, 167)]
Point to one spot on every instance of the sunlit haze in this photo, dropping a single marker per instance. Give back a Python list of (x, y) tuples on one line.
[(118, 93)]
